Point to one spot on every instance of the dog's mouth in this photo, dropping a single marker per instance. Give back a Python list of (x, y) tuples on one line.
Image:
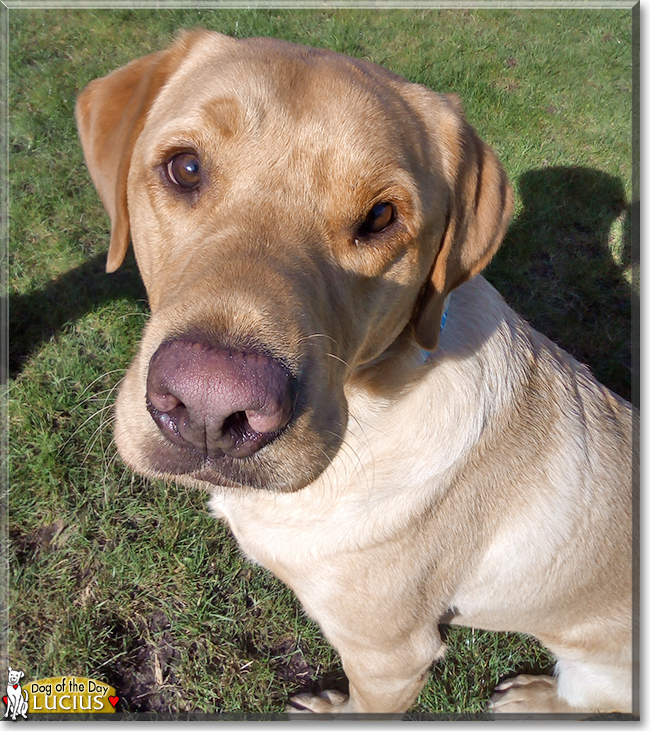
[(282, 461)]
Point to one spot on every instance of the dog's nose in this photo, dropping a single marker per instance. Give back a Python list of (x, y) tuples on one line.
[(217, 401)]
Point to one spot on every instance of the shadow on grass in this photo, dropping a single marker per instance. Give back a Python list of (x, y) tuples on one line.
[(556, 268), (36, 317)]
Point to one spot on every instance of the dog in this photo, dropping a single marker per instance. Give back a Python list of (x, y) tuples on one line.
[(16, 696), (377, 427)]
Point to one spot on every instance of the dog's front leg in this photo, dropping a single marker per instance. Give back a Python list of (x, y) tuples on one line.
[(385, 674)]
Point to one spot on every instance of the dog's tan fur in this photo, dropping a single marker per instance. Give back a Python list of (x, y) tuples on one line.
[(490, 484)]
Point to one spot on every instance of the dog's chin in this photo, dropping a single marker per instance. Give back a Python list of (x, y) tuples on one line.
[(287, 465), (257, 473)]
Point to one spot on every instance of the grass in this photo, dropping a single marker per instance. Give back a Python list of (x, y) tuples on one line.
[(130, 581)]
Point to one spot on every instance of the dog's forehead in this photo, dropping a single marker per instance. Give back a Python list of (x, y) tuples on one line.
[(260, 81)]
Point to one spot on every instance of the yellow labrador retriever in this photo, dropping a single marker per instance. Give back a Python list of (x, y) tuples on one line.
[(376, 425)]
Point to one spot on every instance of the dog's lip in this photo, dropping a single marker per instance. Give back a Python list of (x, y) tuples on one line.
[(227, 471), (218, 479)]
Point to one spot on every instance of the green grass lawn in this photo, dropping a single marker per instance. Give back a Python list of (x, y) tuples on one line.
[(131, 581)]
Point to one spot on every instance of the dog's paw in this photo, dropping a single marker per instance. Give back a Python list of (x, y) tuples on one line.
[(527, 694), (329, 701)]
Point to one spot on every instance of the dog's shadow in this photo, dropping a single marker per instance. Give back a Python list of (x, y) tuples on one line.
[(36, 317), (562, 266)]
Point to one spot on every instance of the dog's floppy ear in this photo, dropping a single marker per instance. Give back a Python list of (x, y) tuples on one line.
[(111, 113), (480, 205)]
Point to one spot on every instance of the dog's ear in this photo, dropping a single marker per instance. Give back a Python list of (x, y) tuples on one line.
[(480, 204), (22, 673), (110, 114)]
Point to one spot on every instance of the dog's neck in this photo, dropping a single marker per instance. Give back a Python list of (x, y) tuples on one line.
[(399, 366)]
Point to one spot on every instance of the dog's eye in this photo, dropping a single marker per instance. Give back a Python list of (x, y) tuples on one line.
[(379, 218), (184, 170)]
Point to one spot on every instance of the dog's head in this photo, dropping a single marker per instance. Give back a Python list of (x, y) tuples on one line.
[(15, 676), (294, 213)]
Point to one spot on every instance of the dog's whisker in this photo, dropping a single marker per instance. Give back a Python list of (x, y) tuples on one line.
[(98, 436), (100, 412), (104, 421), (143, 315), (80, 428), (318, 335), (95, 437), (330, 475), (92, 383), (359, 466), (329, 354), (336, 357), (361, 425), (365, 423)]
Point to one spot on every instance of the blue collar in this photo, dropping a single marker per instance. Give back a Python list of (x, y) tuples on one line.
[(426, 354), (446, 312)]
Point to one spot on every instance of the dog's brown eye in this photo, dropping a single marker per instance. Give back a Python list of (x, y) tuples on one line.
[(379, 218), (184, 170)]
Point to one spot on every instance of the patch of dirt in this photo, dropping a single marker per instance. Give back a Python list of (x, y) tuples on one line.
[(145, 678), (291, 665), (41, 539)]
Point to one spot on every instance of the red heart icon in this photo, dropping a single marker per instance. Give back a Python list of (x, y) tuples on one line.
[(113, 699), (4, 698), (15, 686)]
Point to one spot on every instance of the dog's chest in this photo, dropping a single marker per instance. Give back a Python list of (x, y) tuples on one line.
[(287, 531)]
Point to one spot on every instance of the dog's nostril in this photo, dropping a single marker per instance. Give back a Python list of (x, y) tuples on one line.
[(235, 421), (216, 401), (168, 421)]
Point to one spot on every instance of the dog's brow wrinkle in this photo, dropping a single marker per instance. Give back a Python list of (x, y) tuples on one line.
[(226, 113)]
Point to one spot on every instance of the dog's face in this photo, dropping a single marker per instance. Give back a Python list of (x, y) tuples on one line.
[(293, 213)]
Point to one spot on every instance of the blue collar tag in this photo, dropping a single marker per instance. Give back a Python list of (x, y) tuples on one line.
[(426, 354)]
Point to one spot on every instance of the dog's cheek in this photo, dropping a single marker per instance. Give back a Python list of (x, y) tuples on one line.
[(389, 308), (132, 422)]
